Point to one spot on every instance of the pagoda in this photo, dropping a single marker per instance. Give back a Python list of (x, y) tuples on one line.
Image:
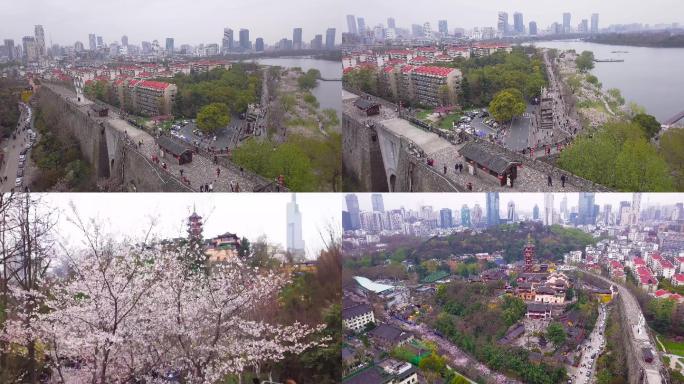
[(194, 226), (528, 253)]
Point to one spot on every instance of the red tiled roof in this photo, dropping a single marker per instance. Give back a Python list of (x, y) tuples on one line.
[(435, 71), (153, 84), (347, 70), (679, 277), (666, 264), (388, 69), (420, 59), (638, 261), (407, 68), (661, 293), (656, 256), (643, 271)]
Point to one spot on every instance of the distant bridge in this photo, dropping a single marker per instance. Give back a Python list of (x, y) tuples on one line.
[(672, 120)]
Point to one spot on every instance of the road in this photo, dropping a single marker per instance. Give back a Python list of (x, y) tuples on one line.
[(12, 148), (591, 349), (640, 334)]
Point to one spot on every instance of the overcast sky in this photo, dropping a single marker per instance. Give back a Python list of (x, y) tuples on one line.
[(192, 22), (468, 13), (524, 202), (246, 214)]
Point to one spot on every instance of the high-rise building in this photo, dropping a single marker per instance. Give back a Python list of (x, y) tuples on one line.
[(295, 243), (594, 23), (510, 214), (317, 42), (623, 214), (585, 209), (353, 209), (297, 38), (169, 45), (9, 46), (533, 28), (443, 27), (227, 41), (78, 46), (100, 43), (518, 24), (416, 30), (30, 49), (465, 216), (476, 219), (124, 41), (330, 39), (636, 208), (259, 44), (583, 26), (445, 218), (40, 40), (377, 203), (427, 29), (535, 212), (351, 25), (391, 23), (244, 39), (564, 208), (361, 25), (502, 24), (492, 209), (566, 22), (92, 43), (607, 208), (548, 209)]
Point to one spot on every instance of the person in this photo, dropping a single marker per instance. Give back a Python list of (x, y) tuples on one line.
[(549, 180), (181, 172), (206, 187), (211, 187), (563, 181), (460, 167), (445, 169), (469, 186), (218, 171), (201, 188)]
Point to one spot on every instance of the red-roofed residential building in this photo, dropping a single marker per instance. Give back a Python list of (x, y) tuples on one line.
[(434, 86), (420, 60), (677, 279), (155, 98), (455, 52), (679, 264), (648, 283)]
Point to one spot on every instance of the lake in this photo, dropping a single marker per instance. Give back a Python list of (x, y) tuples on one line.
[(651, 77), (328, 93)]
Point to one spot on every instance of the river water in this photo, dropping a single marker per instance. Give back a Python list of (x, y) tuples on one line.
[(328, 93), (651, 77)]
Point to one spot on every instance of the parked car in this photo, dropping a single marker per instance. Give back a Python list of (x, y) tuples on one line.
[(18, 182), (20, 172)]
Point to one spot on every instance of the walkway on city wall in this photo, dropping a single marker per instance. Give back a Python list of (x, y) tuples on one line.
[(198, 170)]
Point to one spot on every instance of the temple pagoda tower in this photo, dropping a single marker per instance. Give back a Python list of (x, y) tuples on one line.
[(528, 253)]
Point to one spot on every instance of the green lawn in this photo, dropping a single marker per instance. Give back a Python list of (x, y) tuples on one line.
[(422, 115), (447, 122), (672, 346)]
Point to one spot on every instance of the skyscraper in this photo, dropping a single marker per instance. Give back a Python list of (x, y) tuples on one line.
[(594, 23), (377, 203), (227, 42), (92, 43), (295, 243), (510, 214), (9, 45), (124, 41), (361, 24), (317, 42), (548, 209), (518, 24), (100, 43), (391, 23), (330, 39), (607, 208), (169, 45), (502, 24), (40, 40), (351, 25), (297, 38), (636, 208), (465, 216), (445, 218), (535, 212), (353, 209), (585, 208), (259, 44), (244, 39), (533, 28), (30, 49), (564, 207), (492, 209), (443, 27), (566, 22)]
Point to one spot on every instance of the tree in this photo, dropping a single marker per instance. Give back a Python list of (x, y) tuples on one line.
[(212, 117), (309, 80), (640, 168), (465, 99), (649, 123), (556, 334), (585, 61), (433, 362), (671, 144), (507, 104), (244, 249)]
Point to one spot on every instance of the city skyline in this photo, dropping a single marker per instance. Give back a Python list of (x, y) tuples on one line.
[(246, 215), (524, 202), (68, 22), (484, 14)]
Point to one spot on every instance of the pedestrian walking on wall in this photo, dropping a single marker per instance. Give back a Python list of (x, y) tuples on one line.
[(549, 181)]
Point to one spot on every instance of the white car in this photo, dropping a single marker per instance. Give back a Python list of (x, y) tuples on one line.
[(18, 181)]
